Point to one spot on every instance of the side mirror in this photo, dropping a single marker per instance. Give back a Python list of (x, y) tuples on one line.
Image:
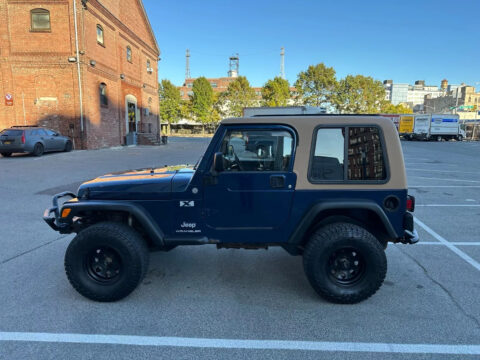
[(218, 162), (55, 134)]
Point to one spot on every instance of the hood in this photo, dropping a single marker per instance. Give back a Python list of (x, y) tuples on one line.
[(143, 184)]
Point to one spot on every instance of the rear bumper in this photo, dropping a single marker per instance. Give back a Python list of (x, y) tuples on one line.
[(12, 149), (410, 234), (411, 237)]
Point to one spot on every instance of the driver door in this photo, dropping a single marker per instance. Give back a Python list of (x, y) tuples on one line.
[(254, 192)]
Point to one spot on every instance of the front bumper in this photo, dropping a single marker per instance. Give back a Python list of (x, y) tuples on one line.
[(55, 221)]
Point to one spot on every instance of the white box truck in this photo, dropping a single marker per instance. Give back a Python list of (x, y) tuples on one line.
[(421, 127), (445, 127)]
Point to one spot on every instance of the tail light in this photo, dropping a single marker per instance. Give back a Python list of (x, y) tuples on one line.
[(410, 203), (23, 137)]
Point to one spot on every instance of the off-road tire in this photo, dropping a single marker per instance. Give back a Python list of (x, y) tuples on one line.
[(336, 237), (38, 149), (130, 248), (68, 146), (6, 154)]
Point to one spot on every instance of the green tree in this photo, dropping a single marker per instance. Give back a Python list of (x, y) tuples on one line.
[(316, 85), (359, 95), (389, 108), (276, 92), (239, 94), (202, 100), (170, 101)]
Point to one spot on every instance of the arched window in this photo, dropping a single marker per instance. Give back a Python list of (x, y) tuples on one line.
[(40, 20), (129, 54), (100, 35), (103, 94)]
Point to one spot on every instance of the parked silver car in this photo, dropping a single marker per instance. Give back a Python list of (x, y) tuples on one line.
[(34, 140)]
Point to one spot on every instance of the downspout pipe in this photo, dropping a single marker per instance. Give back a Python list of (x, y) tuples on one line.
[(80, 91)]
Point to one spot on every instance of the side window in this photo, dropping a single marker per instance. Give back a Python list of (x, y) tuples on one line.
[(129, 54), (100, 35), (39, 20), (363, 160), (329, 155), (257, 150), (49, 132), (365, 154)]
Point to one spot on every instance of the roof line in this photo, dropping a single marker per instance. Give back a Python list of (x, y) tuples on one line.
[(149, 26)]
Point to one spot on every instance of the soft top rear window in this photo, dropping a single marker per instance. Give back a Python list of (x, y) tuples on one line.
[(10, 132)]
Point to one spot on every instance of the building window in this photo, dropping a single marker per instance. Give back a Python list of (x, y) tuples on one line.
[(190, 85), (148, 65), (213, 84), (40, 20), (103, 94), (100, 35), (129, 54)]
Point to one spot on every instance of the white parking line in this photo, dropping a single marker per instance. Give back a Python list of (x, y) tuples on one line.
[(449, 245), (444, 186), (443, 179), (447, 205), (242, 344), (458, 243), (446, 171)]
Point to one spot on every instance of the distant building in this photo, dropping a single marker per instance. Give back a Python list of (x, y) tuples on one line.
[(462, 98), (116, 75), (411, 95), (219, 85)]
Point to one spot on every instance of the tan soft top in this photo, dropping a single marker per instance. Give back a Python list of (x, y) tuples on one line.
[(305, 126)]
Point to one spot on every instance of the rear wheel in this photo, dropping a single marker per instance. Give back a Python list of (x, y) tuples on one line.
[(344, 263), (106, 261), (6, 154), (68, 146), (38, 149), (439, 138)]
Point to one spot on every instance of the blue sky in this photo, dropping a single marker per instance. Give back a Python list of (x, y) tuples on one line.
[(400, 40)]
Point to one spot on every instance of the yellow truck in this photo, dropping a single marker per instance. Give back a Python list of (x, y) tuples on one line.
[(405, 127)]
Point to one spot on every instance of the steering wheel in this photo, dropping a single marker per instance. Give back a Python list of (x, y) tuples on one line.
[(237, 162)]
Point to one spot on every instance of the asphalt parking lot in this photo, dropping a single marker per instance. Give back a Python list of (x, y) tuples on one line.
[(203, 303)]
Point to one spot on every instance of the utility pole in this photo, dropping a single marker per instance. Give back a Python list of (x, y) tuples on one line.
[(282, 62), (187, 65)]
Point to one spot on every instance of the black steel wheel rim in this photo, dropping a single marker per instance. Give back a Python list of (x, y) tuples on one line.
[(104, 264), (346, 266)]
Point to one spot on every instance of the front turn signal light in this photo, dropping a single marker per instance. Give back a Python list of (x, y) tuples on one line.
[(66, 212)]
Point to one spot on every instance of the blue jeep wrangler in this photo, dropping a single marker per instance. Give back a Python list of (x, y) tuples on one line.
[(330, 188)]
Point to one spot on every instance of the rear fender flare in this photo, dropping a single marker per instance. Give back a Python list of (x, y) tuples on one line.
[(310, 215)]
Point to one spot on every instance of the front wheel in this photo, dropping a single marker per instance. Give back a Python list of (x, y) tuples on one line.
[(344, 263), (460, 138), (68, 146), (106, 261)]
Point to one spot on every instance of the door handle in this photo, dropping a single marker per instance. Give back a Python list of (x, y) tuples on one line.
[(277, 181)]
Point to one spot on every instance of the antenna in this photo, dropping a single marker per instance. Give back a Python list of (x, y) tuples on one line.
[(187, 65), (234, 66), (282, 62)]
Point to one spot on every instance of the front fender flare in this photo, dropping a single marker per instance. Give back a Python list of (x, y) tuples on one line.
[(137, 211)]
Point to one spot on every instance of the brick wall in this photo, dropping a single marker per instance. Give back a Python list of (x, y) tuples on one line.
[(34, 67)]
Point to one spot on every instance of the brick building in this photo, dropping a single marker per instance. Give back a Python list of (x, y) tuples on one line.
[(117, 69)]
